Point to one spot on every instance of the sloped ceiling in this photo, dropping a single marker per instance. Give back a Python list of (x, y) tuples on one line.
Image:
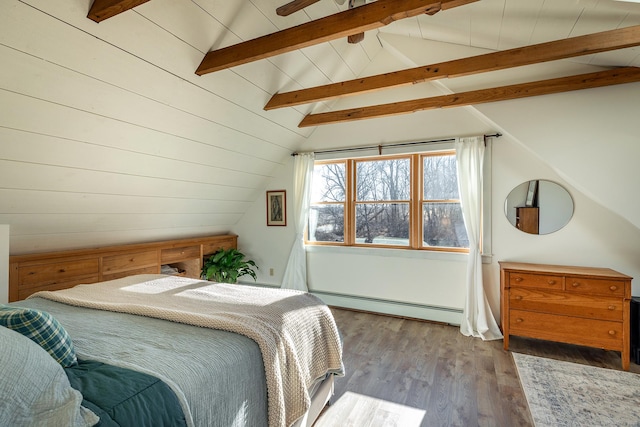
[(108, 136)]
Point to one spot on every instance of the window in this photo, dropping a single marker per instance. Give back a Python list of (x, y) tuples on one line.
[(405, 201), (329, 196), (442, 222)]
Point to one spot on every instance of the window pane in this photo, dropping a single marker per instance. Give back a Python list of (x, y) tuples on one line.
[(444, 226), (382, 223), (329, 183), (326, 223), (383, 180), (440, 177)]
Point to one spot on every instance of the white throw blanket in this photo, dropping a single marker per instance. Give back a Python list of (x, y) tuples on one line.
[(295, 331)]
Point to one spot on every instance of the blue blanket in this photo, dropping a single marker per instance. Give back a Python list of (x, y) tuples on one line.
[(123, 397)]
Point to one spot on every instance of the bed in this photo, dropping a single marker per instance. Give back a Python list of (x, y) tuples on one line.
[(224, 355)]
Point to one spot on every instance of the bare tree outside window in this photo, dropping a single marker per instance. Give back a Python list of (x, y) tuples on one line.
[(326, 216), (442, 222), (383, 189)]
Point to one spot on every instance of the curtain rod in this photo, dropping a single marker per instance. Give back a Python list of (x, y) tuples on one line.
[(399, 144)]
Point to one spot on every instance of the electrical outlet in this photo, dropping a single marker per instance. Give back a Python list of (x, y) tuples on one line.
[(271, 272)]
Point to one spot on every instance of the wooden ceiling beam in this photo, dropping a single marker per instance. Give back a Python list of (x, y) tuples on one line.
[(342, 24), (543, 52), (104, 9), (294, 6), (483, 96)]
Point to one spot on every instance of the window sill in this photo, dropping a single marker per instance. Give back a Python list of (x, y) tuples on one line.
[(394, 253)]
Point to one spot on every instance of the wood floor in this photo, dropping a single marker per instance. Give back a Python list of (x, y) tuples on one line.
[(410, 373)]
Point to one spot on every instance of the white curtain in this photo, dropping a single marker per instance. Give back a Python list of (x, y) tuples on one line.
[(295, 275), (477, 318)]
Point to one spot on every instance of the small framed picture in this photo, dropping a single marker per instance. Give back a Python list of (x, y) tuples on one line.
[(531, 194), (277, 207)]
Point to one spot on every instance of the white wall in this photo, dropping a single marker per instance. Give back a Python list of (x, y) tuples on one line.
[(594, 236), (4, 263), (589, 137), (269, 247)]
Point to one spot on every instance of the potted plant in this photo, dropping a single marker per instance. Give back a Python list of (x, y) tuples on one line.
[(226, 265)]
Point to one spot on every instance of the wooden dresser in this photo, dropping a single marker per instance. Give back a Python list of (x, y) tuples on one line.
[(577, 305), (60, 270)]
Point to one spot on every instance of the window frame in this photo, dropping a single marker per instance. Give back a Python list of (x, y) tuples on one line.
[(416, 203), (420, 201), (344, 205), (352, 207)]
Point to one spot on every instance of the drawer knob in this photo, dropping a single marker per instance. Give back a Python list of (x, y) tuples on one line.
[(519, 320), (575, 284), (551, 282), (518, 297), (612, 307), (518, 279), (612, 332), (613, 288)]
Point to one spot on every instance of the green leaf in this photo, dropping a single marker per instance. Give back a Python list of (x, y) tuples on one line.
[(227, 265)]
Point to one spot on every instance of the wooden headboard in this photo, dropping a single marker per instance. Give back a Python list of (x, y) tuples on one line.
[(60, 270)]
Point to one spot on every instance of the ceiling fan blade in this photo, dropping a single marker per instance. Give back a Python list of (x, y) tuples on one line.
[(294, 6)]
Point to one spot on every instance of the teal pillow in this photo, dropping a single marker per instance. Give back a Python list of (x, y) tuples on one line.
[(42, 329)]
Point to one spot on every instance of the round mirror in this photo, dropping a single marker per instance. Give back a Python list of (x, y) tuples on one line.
[(539, 207)]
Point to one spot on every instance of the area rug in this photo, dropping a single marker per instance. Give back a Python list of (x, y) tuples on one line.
[(569, 394)]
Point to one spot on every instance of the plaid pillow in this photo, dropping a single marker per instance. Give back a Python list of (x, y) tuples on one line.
[(43, 329)]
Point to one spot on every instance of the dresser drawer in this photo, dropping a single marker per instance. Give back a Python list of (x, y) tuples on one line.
[(40, 275), (180, 254), (127, 262), (565, 303), (543, 281), (595, 286), (594, 333)]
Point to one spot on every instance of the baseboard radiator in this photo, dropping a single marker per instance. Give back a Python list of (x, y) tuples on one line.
[(395, 308), (452, 316)]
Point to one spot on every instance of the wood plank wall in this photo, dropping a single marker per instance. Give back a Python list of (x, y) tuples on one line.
[(109, 137)]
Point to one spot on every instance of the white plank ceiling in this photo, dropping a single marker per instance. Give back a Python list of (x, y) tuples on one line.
[(108, 136)]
